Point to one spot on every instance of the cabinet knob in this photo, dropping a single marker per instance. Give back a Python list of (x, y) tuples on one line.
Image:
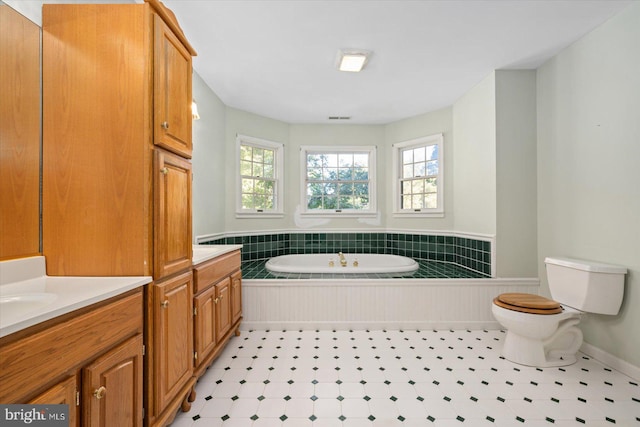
[(165, 303), (164, 171), (99, 393), (165, 125), (216, 300)]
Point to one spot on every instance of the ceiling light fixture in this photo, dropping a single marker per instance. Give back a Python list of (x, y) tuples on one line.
[(352, 60)]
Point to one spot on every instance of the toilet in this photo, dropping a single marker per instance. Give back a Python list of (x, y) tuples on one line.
[(544, 332)]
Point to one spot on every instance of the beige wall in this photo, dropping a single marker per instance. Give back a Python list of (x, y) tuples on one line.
[(494, 168), (209, 150), (516, 214), (474, 153), (588, 174)]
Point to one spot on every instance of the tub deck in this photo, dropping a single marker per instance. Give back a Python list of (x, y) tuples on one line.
[(429, 269), (438, 295)]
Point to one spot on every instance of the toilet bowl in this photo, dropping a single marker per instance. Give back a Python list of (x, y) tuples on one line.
[(542, 340), (544, 332)]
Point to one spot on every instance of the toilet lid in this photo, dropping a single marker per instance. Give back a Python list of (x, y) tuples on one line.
[(528, 303)]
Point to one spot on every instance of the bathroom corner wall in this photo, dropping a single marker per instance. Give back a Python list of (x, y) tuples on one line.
[(516, 214), (209, 149), (494, 188), (474, 170), (588, 175)]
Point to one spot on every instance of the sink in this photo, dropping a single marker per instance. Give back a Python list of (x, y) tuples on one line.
[(19, 304)]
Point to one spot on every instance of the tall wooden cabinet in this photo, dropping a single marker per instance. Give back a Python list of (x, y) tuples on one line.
[(117, 171), (104, 120)]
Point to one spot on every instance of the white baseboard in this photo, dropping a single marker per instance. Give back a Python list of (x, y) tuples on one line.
[(611, 360), (373, 325)]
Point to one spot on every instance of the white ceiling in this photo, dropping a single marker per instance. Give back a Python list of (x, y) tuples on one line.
[(277, 58)]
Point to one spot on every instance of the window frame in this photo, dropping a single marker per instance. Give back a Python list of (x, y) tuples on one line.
[(278, 170), (398, 148), (370, 150)]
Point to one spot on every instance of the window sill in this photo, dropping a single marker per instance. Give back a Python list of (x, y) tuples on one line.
[(329, 214), (255, 215), (418, 214)]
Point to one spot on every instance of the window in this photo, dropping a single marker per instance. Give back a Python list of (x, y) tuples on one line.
[(259, 177), (418, 172), (338, 180)]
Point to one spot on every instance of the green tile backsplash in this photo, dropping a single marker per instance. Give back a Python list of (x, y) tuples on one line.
[(469, 253)]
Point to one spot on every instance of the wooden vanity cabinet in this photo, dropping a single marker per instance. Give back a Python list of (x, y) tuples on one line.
[(223, 312), (204, 323), (112, 387), (63, 393), (236, 296), (218, 306), (100, 375), (169, 374)]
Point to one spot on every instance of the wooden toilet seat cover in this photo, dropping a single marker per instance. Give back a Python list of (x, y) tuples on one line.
[(527, 303)]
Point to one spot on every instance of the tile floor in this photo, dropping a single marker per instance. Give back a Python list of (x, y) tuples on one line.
[(401, 378)]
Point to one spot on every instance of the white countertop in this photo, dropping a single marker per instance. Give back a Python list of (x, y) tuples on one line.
[(47, 296), (202, 253), (43, 297)]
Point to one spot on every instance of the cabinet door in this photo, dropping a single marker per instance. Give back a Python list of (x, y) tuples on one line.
[(63, 393), (96, 176), (223, 307), (236, 296), (173, 337), (20, 142), (205, 323), (172, 211), (172, 91), (112, 387)]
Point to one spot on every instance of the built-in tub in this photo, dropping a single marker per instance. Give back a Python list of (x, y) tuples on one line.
[(331, 263)]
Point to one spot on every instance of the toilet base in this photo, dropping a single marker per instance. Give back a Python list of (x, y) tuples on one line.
[(559, 350)]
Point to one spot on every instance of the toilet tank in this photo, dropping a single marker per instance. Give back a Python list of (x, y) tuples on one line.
[(585, 285)]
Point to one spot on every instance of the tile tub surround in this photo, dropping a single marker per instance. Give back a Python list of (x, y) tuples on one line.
[(327, 378), (471, 254)]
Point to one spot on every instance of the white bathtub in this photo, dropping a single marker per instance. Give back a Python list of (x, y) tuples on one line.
[(330, 263)]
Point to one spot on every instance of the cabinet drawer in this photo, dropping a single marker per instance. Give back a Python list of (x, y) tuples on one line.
[(210, 272), (30, 363)]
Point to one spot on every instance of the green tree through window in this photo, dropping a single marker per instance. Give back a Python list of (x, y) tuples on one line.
[(337, 181), (259, 176)]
